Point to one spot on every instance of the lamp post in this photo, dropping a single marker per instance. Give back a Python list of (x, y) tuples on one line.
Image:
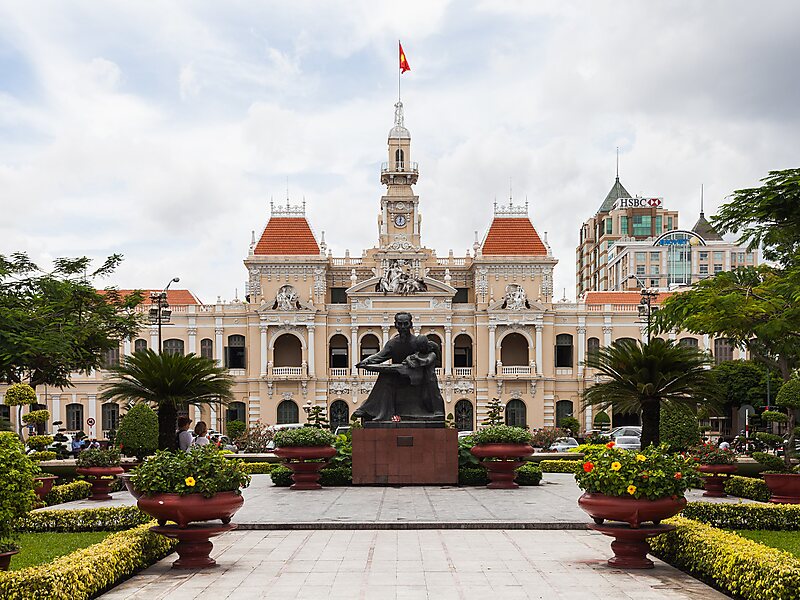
[(646, 308), (160, 312)]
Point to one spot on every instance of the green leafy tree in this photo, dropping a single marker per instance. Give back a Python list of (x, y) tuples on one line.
[(138, 432), (19, 395), (236, 429), (53, 323), (317, 417), (641, 377), (494, 413), (679, 428), (570, 424), (743, 382), (168, 382), (789, 399)]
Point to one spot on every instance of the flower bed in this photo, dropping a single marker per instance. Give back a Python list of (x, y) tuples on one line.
[(77, 490), (736, 565), (775, 517)]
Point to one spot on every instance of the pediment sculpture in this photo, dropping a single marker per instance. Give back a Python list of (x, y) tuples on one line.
[(398, 280)]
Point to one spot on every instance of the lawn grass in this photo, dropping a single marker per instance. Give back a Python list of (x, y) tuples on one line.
[(40, 548), (782, 540)]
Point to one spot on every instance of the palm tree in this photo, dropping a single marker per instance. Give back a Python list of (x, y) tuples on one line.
[(641, 377), (169, 382)]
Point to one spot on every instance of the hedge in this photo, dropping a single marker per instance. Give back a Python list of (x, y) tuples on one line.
[(334, 476), (87, 572), (560, 466), (529, 474), (113, 518), (772, 517), (747, 487), (77, 490), (259, 468), (740, 567), (472, 476)]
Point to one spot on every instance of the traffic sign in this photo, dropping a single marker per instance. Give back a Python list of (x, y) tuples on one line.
[(90, 422)]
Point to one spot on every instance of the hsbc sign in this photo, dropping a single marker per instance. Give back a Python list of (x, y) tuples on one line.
[(639, 203)]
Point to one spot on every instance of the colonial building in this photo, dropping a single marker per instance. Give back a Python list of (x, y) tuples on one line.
[(310, 317)]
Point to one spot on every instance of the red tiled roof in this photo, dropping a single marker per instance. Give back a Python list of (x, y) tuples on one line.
[(174, 297), (513, 235), (631, 297), (287, 235)]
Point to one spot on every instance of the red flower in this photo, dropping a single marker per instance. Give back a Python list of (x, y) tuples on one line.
[(678, 475), (588, 466), (611, 444)]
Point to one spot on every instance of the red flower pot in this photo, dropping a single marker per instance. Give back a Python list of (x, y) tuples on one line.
[(784, 487), (633, 511), (5, 559), (714, 477), (100, 486), (47, 482), (191, 507), (305, 474), (126, 479), (500, 461)]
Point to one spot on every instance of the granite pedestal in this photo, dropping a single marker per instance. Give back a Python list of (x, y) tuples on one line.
[(405, 456)]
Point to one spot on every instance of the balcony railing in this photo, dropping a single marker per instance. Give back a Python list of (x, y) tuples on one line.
[(367, 374), (439, 372), (288, 372), (338, 372), (400, 167), (516, 370), (462, 371)]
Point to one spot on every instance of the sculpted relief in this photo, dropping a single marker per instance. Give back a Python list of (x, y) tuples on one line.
[(397, 280), (286, 299), (515, 298)]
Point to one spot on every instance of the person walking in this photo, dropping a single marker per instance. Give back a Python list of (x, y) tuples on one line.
[(201, 434), (184, 435)]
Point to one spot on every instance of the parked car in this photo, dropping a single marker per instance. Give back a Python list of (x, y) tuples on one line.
[(463, 434), (627, 430), (564, 444), (628, 442)]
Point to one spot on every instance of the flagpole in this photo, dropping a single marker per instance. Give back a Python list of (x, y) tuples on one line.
[(399, 72)]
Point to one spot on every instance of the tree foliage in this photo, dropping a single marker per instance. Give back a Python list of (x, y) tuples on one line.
[(743, 382), (679, 429), (53, 323), (168, 382), (639, 377), (138, 432)]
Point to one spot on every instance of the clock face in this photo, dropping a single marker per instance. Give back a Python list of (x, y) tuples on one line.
[(400, 220)]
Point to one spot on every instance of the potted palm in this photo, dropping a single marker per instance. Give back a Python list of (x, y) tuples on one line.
[(100, 467), (305, 451), (500, 449), (784, 483), (16, 492), (716, 464)]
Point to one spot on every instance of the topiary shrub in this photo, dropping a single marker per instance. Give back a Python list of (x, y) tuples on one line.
[(16, 485), (96, 457), (570, 424), (747, 487), (529, 474), (258, 468), (19, 394), (502, 434), (39, 442), (678, 429), (336, 476), (77, 490), (303, 437), (561, 466), (138, 432), (770, 461), (42, 456), (472, 476), (41, 417), (236, 429), (789, 398), (281, 476)]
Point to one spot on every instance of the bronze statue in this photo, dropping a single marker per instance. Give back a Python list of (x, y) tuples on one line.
[(407, 388)]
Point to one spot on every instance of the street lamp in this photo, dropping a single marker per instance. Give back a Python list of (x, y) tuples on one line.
[(646, 309), (160, 312)]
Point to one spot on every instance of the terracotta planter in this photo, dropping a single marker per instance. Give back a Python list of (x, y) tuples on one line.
[(714, 477), (100, 486), (47, 482), (500, 461), (632, 511), (784, 487), (191, 507), (305, 474), (194, 545), (126, 479), (5, 559)]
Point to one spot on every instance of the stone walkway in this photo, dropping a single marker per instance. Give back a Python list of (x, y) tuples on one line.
[(427, 564)]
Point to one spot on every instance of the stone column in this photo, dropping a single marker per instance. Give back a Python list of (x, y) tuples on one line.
[(448, 351), (126, 350), (353, 350), (311, 371), (263, 330), (606, 335), (218, 331), (581, 347), (385, 331), (192, 333), (154, 339), (492, 359), (539, 354), (55, 413)]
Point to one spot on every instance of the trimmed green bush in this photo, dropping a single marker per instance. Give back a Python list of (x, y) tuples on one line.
[(769, 439), (85, 573), (113, 518), (16, 484), (678, 429), (69, 492), (42, 456), (502, 434), (236, 429), (561, 466), (747, 487), (472, 476), (739, 566), (528, 474), (96, 457), (281, 476), (304, 436), (774, 416), (19, 394), (41, 417), (39, 442), (258, 468), (138, 432), (772, 517), (788, 396), (770, 461)]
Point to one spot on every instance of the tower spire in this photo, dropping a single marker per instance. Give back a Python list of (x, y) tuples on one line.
[(701, 201), (617, 163)]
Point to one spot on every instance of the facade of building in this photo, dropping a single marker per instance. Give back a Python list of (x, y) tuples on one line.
[(310, 317)]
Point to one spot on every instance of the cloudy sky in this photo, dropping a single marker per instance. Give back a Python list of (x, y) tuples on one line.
[(162, 130)]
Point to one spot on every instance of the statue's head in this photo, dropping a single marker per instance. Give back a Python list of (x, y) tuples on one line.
[(403, 323)]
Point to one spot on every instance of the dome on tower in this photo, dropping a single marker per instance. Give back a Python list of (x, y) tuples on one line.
[(399, 130)]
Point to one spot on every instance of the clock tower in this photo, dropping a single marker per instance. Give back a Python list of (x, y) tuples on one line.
[(399, 221)]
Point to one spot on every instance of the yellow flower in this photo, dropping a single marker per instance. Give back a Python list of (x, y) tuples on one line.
[(190, 481), (641, 457), (631, 489), (615, 466)]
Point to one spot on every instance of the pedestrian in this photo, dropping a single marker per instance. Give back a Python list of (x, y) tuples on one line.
[(723, 444), (184, 435), (201, 434)]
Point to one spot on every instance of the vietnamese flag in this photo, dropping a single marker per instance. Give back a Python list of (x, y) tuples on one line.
[(403, 62)]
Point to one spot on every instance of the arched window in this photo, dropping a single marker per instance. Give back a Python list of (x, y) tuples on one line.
[(206, 348), (235, 352), (288, 412), (288, 352), (592, 346), (723, 350), (111, 358), (516, 414), (338, 357), (140, 345), (340, 414), (369, 346), (625, 340), (173, 346), (563, 351), (514, 350), (563, 409), (399, 156), (110, 416), (689, 342), (438, 341), (74, 417), (602, 421), (464, 414), (236, 411), (462, 351)]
